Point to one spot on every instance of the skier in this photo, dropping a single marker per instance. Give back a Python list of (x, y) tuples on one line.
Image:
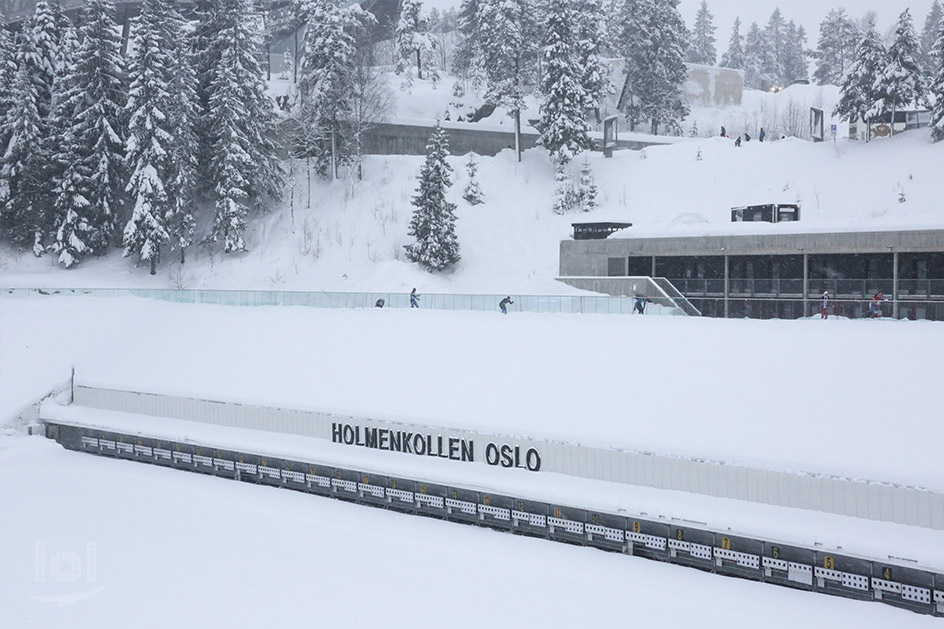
[(414, 299), (724, 132), (738, 141), (747, 136), (824, 304), (640, 306), (503, 304), (875, 306), (763, 134), (379, 303)]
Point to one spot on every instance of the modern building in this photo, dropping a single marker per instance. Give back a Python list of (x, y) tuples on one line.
[(773, 275)]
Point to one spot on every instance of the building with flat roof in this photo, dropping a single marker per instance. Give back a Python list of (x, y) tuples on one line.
[(775, 275)]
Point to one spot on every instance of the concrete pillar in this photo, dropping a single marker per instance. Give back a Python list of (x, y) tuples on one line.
[(806, 283), (895, 285), (653, 267), (726, 284)]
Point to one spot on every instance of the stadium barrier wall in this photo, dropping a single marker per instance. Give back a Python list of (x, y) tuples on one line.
[(867, 499), (568, 304), (909, 587)]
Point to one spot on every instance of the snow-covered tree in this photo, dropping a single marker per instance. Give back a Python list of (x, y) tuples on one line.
[(434, 220), (508, 55), (758, 60), (635, 44), (238, 122), (777, 39), (734, 57), (412, 38), (463, 61), (563, 189), (95, 104), (932, 24), (472, 192), (900, 83), (591, 40), (702, 47), (328, 81), (586, 188), (564, 128), (7, 76), (150, 132), (835, 50), (937, 86), (25, 218), (858, 94), (794, 62)]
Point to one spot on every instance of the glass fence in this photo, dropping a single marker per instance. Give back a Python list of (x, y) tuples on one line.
[(569, 304), (859, 289)]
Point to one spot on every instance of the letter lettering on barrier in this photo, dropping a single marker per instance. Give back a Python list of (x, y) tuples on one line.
[(419, 444), (506, 456), (467, 453), (491, 454), (533, 460), (370, 437), (453, 448), (396, 441), (348, 434)]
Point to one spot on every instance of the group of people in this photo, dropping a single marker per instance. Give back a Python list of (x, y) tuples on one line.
[(747, 136), (415, 302), (875, 305)]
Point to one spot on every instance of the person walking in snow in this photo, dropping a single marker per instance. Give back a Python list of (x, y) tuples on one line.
[(414, 299), (875, 306), (503, 304), (737, 142), (747, 136), (824, 304), (640, 306), (763, 134), (724, 132), (379, 303)]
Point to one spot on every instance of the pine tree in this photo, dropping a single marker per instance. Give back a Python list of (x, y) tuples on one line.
[(465, 52), (564, 197), (95, 102), (928, 39), (759, 59), (72, 212), (508, 55), (937, 86), (776, 36), (594, 78), (327, 80), (835, 53), (586, 188), (238, 122), (412, 38), (794, 61), (662, 103), (858, 94), (24, 216), (472, 192), (150, 132), (564, 129), (7, 77), (734, 57), (636, 45), (434, 221), (702, 49), (900, 83), (42, 59)]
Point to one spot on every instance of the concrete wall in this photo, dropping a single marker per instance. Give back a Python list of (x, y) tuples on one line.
[(714, 86), (855, 498), (589, 257)]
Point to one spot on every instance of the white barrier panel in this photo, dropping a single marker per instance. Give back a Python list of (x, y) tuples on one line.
[(855, 498)]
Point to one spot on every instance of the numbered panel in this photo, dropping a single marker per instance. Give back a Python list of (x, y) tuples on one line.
[(495, 510), (788, 565), (344, 483), (737, 556), (529, 517), (649, 539), (462, 505), (842, 575), (401, 494), (567, 524), (318, 479), (606, 531), (270, 471), (372, 489), (903, 587), (247, 467), (690, 546), (430, 499)]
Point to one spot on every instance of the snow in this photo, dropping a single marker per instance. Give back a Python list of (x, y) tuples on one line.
[(199, 551), (669, 385)]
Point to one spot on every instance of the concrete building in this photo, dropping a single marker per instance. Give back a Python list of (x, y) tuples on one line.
[(774, 275)]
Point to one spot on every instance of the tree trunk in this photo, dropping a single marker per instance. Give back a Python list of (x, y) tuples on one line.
[(419, 69), (183, 256), (518, 133), (334, 156), (153, 265), (295, 64)]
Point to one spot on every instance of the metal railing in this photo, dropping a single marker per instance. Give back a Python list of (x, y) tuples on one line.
[(568, 304), (849, 289)]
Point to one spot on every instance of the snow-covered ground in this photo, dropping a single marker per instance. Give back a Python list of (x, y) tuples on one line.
[(149, 547)]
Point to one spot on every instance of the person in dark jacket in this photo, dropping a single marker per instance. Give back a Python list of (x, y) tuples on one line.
[(640, 306), (503, 304), (763, 134), (379, 303), (414, 299), (738, 141)]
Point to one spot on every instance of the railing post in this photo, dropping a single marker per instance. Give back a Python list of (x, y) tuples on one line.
[(895, 285), (806, 283), (727, 284)]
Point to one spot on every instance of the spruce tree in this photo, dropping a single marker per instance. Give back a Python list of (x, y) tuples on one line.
[(434, 220), (590, 16), (777, 40), (794, 61), (662, 103), (472, 192), (508, 55), (900, 83), (937, 86), (149, 133), (24, 215), (702, 49), (858, 94), (734, 57), (463, 59), (7, 77), (238, 122), (835, 50), (636, 46), (564, 129), (586, 188), (412, 38), (932, 24), (759, 59), (95, 104)]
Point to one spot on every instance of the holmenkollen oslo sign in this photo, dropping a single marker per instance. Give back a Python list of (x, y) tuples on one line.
[(427, 444)]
